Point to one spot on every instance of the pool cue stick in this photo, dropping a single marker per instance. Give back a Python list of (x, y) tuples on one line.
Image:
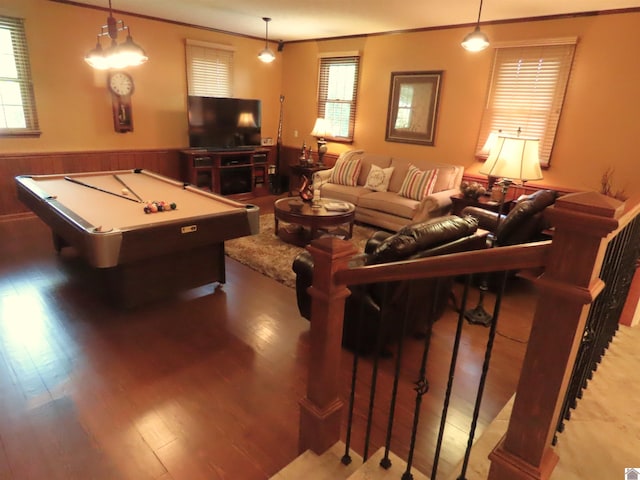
[(73, 180), (127, 187)]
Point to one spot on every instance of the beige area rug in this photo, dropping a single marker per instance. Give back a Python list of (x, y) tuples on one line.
[(267, 254)]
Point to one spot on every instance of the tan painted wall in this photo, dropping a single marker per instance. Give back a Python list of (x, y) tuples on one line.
[(599, 127), (74, 105)]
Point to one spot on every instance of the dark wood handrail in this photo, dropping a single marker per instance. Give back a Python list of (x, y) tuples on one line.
[(532, 255)]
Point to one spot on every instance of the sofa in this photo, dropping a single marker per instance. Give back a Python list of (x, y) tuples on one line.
[(383, 304), (390, 192)]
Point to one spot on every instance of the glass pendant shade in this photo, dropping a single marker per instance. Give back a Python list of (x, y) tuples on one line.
[(117, 56), (475, 41), (266, 55)]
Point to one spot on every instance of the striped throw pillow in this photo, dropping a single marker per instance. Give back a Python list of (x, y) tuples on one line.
[(346, 172), (418, 183)]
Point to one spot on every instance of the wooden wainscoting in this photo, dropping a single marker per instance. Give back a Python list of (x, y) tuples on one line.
[(164, 162)]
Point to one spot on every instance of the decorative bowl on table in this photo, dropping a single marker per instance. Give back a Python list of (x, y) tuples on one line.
[(296, 205), (472, 189)]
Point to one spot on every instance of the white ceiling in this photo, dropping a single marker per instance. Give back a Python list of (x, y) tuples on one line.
[(314, 19)]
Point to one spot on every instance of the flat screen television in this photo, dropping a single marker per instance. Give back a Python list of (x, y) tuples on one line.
[(224, 123)]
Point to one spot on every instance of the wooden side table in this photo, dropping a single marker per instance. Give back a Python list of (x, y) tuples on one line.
[(298, 171), (459, 201)]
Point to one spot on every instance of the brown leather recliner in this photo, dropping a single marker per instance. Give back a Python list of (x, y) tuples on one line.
[(523, 224), (384, 304)]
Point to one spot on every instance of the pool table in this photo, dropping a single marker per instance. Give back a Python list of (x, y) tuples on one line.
[(143, 256)]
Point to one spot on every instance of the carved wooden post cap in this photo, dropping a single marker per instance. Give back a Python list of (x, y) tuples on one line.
[(593, 203)]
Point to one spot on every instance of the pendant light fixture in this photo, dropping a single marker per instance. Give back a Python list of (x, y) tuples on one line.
[(476, 41), (127, 54), (266, 55)]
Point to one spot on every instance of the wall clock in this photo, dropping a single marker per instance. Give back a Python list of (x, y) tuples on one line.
[(121, 87)]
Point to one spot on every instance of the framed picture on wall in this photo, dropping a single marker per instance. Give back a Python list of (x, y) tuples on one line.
[(413, 107)]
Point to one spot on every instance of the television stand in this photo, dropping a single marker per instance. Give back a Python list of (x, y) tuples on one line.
[(240, 173), (244, 148)]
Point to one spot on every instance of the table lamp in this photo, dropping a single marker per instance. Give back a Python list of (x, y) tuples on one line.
[(246, 119), (320, 130), (511, 158)]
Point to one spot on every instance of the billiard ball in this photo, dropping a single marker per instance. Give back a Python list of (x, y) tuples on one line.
[(125, 191)]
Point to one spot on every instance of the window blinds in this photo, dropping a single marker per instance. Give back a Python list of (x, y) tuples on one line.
[(18, 114), (209, 69), (526, 94), (337, 95)]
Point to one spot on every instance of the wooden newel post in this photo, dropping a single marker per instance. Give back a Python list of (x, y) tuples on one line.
[(570, 283), (321, 409)]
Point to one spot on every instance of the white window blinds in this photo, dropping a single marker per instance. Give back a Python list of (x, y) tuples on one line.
[(526, 94), (17, 102), (209, 69), (337, 95)]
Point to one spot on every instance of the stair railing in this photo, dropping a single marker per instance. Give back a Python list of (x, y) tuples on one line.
[(569, 284)]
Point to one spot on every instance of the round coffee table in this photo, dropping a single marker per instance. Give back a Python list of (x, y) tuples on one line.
[(312, 221)]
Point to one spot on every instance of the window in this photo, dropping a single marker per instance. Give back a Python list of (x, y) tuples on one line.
[(337, 89), (528, 85), (209, 69), (405, 107), (17, 102)]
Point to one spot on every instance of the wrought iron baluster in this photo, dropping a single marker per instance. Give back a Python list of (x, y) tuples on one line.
[(452, 368), (483, 376)]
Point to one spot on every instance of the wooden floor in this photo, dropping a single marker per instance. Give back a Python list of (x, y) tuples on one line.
[(202, 385)]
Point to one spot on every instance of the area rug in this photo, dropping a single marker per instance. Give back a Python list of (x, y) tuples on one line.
[(267, 254)]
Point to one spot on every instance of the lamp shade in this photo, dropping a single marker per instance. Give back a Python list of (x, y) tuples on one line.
[(476, 41), (320, 128), (131, 53), (266, 55), (246, 119), (515, 158)]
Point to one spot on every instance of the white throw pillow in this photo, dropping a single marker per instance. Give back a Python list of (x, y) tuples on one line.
[(378, 178)]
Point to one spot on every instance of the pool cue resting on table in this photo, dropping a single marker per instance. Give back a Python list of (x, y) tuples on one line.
[(127, 188), (73, 180)]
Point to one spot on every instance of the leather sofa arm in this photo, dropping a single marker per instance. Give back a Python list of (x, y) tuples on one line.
[(303, 268), (375, 240), (487, 219)]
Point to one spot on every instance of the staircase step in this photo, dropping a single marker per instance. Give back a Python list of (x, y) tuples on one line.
[(372, 470), (601, 438), (311, 466)]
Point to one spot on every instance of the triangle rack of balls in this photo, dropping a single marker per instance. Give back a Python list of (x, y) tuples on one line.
[(155, 206)]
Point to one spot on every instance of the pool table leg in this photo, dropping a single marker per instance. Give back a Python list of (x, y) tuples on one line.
[(58, 242)]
